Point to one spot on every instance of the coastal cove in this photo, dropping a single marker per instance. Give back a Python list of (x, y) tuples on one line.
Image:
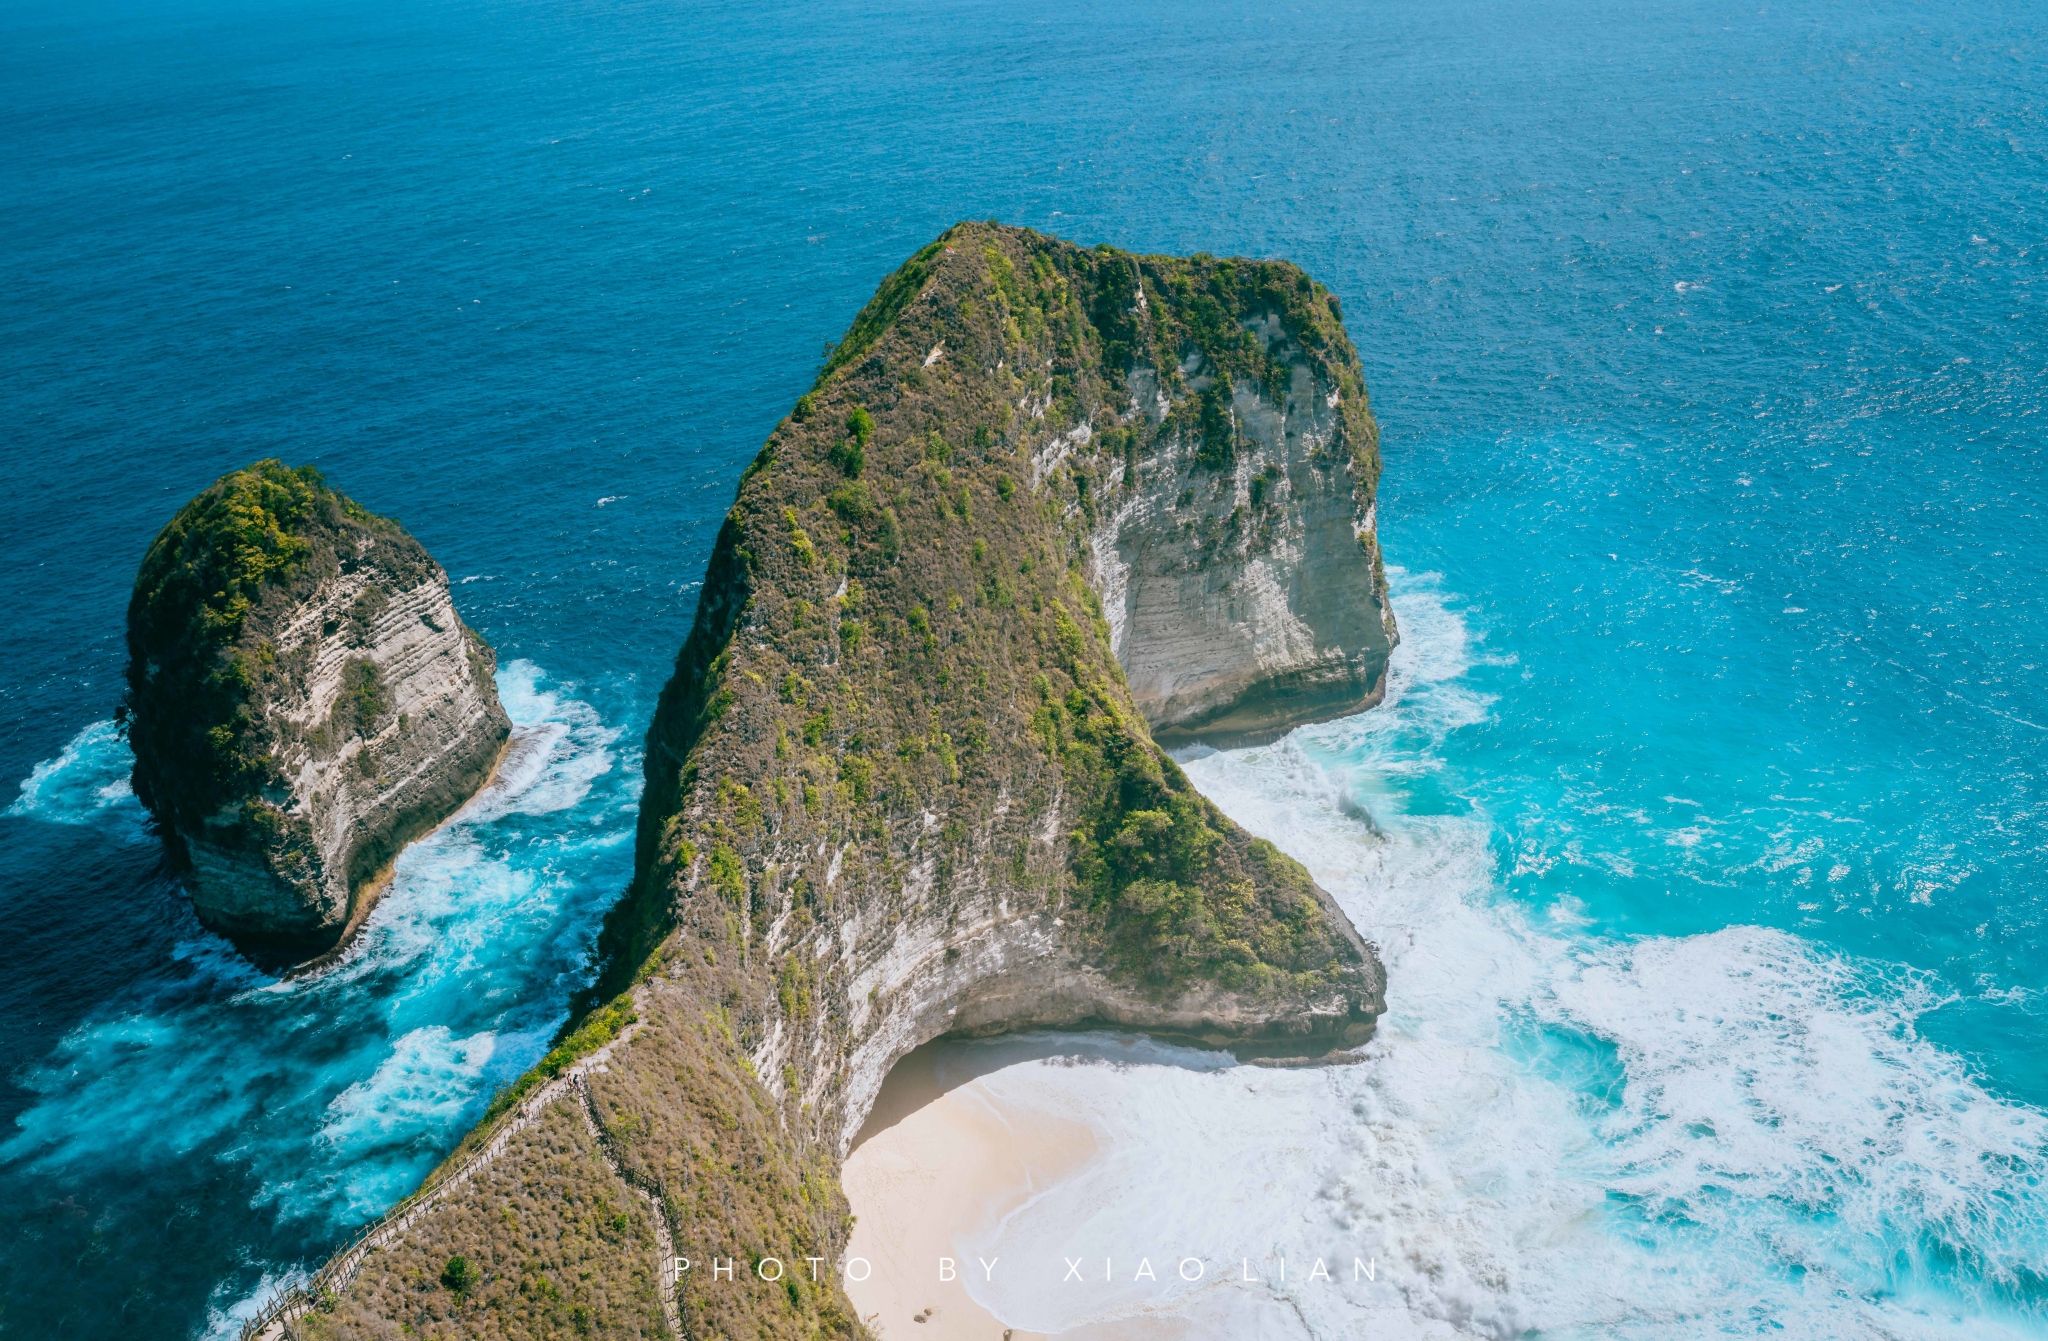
[(901, 786), (1570, 1052), (1699, 828)]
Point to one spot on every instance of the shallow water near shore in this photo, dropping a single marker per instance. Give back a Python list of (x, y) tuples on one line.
[(1558, 1128), (1706, 846)]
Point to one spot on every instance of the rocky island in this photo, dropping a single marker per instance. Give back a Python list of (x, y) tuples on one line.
[(302, 702), (1045, 507)]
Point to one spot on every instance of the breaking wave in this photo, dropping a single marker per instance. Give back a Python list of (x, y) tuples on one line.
[(327, 1097), (1557, 1129)]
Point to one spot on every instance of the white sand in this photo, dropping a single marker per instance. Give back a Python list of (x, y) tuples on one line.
[(923, 1186), (938, 1173)]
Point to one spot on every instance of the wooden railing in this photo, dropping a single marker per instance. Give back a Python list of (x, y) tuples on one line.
[(649, 1191)]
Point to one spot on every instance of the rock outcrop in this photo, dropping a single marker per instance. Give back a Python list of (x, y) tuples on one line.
[(1242, 582), (901, 785), (302, 701)]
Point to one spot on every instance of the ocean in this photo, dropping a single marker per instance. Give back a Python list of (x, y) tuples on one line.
[(1706, 845)]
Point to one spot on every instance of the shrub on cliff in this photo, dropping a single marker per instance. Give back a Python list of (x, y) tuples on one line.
[(201, 662), (188, 681), (459, 1275)]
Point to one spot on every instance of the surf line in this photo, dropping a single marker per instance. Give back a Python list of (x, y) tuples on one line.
[(739, 1268)]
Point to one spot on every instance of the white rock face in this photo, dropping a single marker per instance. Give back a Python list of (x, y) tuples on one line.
[(387, 723), (1249, 599), (998, 970), (991, 965)]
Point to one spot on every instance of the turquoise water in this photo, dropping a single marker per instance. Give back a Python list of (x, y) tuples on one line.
[(1597, 1105), (210, 1120), (1707, 345)]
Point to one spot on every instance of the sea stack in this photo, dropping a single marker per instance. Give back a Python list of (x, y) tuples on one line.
[(1045, 505), (302, 701)]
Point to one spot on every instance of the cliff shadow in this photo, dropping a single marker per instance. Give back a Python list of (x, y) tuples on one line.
[(927, 1073)]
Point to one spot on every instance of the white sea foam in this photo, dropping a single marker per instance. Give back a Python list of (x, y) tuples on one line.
[(1554, 1130), (337, 1090), (456, 890), (424, 1083), (85, 781), (579, 750), (225, 1315)]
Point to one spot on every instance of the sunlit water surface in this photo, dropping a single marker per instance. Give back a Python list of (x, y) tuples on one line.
[(1706, 850)]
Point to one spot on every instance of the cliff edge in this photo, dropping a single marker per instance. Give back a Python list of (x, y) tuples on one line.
[(1234, 538), (1044, 504), (302, 702)]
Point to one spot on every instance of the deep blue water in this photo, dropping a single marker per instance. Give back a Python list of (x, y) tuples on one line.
[(1706, 342)]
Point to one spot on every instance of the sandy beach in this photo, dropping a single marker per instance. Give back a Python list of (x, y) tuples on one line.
[(933, 1166), (959, 1146)]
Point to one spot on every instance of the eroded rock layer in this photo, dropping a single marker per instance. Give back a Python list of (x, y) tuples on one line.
[(900, 784), (1236, 548), (302, 700)]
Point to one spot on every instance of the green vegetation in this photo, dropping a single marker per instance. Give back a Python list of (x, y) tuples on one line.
[(800, 540), (459, 1275), (363, 702), (201, 665), (850, 453), (1169, 894), (897, 675), (1218, 426), (188, 689)]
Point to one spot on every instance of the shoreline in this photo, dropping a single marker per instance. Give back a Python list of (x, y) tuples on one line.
[(949, 1154), (963, 1153), (947, 1163), (371, 892)]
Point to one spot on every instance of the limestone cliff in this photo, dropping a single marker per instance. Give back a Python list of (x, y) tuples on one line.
[(900, 783), (302, 702), (1235, 549)]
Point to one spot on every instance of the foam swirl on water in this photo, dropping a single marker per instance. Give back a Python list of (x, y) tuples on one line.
[(84, 782), (327, 1097), (1558, 1128)]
